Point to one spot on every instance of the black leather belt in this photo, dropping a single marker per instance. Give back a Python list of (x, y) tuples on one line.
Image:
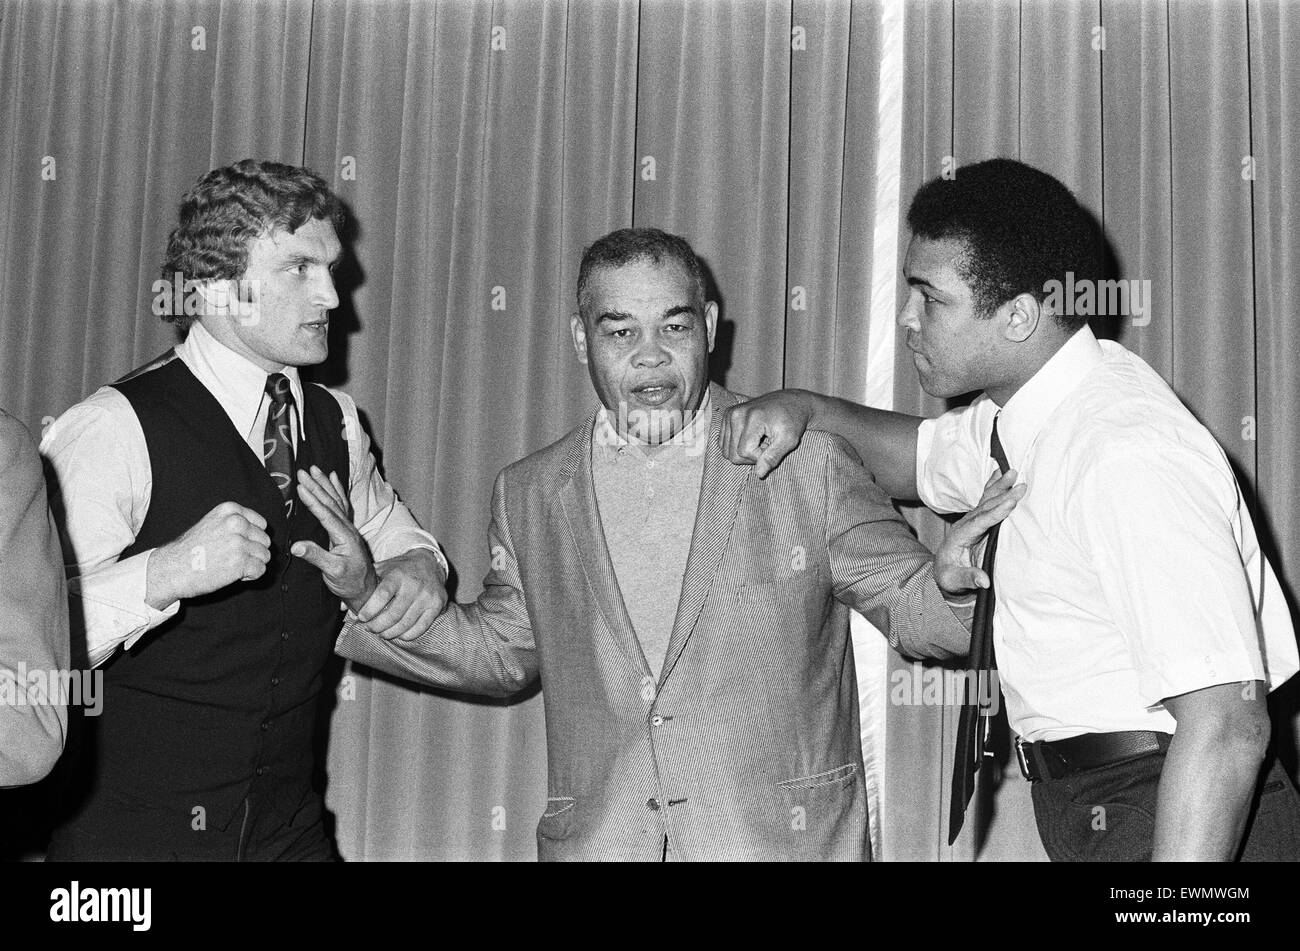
[(1056, 758)]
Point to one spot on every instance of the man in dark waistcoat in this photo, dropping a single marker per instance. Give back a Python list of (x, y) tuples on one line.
[(209, 590)]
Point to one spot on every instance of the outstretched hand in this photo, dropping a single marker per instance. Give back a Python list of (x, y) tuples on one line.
[(955, 570), (347, 568)]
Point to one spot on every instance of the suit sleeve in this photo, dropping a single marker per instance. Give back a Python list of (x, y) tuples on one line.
[(880, 569), (33, 615), (486, 647)]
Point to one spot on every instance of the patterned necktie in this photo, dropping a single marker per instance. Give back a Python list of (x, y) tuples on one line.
[(976, 718), (277, 441)]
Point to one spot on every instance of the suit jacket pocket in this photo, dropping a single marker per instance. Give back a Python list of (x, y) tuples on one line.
[(827, 780), (822, 816), (775, 592)]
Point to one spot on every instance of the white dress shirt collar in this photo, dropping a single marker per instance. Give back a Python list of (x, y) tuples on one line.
[(1033, 404), (237, 383)]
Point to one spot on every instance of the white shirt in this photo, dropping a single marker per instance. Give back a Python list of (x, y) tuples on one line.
[(99, 454), (1130, 571)]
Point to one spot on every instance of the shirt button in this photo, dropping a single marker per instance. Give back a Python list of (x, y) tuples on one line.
[(261, 770), (266, 724), (284, 635), (284, 588), (650, 464), (650, 492), (653, 804), (657, 720), (275, 681)]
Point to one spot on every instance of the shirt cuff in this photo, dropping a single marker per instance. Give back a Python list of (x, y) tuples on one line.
[(437, 553), (963, 611), (964, 602), (114, 606), (424, 542), (399, 541)]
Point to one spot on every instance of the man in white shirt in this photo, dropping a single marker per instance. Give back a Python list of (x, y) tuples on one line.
[(208, 592), (1137, 626)]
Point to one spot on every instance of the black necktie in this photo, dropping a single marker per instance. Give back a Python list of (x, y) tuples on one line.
[(973, 726), (277, 441)]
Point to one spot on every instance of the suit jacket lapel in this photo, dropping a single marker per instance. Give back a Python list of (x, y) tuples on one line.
[(578, 498), (720, 493)]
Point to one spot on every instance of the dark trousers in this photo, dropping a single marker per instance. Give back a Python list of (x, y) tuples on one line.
[(1109, 814), (253, 835)]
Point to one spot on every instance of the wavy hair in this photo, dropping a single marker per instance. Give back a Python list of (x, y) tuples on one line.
[(228, 207)]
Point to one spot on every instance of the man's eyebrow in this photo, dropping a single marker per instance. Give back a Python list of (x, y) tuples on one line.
[(680, 309), (304, 258), (613, 316)]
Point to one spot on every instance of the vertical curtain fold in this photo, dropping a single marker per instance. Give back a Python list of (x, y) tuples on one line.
[(1274, 38), (713, 116)]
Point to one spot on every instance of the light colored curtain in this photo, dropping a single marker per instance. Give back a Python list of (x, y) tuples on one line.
[(480, 146), (108, 112)]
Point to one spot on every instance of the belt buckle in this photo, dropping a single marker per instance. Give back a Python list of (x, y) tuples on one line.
[(1023, 759)]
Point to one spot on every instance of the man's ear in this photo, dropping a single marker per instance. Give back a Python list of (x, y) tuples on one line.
[(579, 333), (1023, 315), (218, 296), (711, 321)]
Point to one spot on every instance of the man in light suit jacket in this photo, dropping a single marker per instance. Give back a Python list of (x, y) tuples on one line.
[(33, 616), (688, 622)]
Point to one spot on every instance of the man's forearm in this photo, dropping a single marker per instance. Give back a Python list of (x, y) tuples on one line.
[(885, 440), (459, 652), (1209, 777), (1203, 801)]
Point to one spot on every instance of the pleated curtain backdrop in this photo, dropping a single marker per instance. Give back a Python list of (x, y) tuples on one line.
[(481, 145), (110, 111)]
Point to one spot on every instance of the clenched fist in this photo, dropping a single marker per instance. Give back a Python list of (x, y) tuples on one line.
[(228, 544), (763, 431)]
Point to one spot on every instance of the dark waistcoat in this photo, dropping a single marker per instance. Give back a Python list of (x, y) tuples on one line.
[(217, 707)]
